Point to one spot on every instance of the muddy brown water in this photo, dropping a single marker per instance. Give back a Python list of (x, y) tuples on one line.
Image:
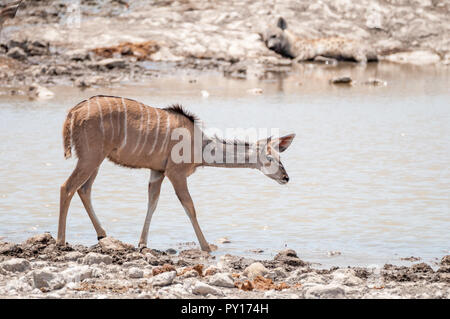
[(369, 167)]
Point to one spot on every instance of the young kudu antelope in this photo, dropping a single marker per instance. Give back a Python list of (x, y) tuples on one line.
[(134, 135)]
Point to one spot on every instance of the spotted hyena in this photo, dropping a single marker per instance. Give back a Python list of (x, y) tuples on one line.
[(284, 42)]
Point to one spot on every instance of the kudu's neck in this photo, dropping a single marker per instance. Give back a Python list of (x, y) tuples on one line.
[(232, 154)]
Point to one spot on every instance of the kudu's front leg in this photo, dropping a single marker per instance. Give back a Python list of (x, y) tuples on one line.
[(180, 185), (154, 189)]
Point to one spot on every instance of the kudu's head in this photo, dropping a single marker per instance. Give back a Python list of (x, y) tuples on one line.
[(269, 162)]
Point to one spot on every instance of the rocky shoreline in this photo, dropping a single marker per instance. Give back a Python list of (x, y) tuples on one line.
[(37, 268), (104, 43)]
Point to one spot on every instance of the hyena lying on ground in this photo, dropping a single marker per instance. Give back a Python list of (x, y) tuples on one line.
[(282, 41)]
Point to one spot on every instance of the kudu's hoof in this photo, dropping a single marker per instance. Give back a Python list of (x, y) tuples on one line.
[(208, 249), (60, 243), (100, 237), (212, 247)]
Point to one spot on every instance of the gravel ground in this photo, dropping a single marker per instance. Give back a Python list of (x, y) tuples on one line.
[(38, 268)]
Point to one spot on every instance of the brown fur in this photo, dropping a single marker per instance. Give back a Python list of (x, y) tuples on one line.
[(139, 137), (134, 135)]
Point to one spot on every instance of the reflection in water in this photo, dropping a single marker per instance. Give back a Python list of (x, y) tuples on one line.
[(369, 168)]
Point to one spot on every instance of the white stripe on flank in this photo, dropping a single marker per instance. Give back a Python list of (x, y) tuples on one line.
[(118, 118), (71, 129), (89, 109), (119, 128), (110, 119), (87, 117), (156, 133), (85, 135), (101, 117), (140, 130), (146, 129), (167, 136), (124, 141)]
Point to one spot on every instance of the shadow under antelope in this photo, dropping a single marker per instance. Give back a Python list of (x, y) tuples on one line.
[(134, 135)]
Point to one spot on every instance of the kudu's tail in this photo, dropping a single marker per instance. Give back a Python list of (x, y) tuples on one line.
[(67, 135), (68, 130)]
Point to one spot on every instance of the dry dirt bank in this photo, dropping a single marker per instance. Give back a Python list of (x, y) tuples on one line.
[(39, 269), (102, 42)]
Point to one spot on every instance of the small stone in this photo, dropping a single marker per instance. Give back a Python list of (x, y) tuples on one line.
[(17, 53), (375, 82), (334, 253), (151, 259), (40, 92), (325, 291), (342, 80), (200, 288), (47, 278), (412, 258), (37, 48), (422, 267), (193, 254), (164, 279), (17, 285), (78, 55), (171, 251), (289, 257), (77, 273), (445, 260), (110, 243), (44, 238), (165, 268), (222, 280), (17, 43), (111, 63), (189, 274), (307, 278), (255, 269), (135, 272), (346, 277), (73, 256), (15, 265), (211, 270), (96, 258), (277, 273)]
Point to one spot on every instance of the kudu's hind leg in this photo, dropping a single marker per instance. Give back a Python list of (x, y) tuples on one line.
[(154, 188), (79, 176), (85, 195), (180, 186)]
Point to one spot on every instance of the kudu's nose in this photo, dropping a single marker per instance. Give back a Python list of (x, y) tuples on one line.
[(286, 178)]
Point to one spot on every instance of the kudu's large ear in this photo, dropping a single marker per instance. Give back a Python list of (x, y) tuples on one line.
[(282, 24), (282, 143)]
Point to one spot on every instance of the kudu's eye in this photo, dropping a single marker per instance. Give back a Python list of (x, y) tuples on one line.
[(270, 158)]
